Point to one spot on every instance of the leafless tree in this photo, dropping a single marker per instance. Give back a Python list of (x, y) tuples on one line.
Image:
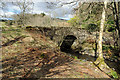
[(3, 7), (25, 6)]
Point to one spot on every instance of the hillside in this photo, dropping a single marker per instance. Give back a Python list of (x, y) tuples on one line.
[(25, 56), (41, 20)]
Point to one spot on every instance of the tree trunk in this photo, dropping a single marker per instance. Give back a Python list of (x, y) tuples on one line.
[(100, 58), (118, 23), (116, 9), (116, 16)]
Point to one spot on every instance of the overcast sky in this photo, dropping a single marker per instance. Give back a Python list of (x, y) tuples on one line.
[(49, 7)]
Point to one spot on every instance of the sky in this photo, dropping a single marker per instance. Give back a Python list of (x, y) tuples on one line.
[(54, 8)]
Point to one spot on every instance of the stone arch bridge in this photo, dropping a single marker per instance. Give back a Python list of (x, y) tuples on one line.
[(62, 35)]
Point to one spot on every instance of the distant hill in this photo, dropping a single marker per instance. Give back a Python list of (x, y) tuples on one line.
[(42, 20), (5, 19)]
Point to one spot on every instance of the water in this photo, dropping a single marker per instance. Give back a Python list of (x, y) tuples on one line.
[(85, 57)]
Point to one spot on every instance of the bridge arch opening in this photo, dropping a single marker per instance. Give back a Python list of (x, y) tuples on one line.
[(67, 43)]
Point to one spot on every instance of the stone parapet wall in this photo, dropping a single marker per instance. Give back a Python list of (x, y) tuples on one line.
[(57, 34)]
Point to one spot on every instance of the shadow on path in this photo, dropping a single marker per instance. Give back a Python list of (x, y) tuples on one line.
[(26, 65), (12, 41)]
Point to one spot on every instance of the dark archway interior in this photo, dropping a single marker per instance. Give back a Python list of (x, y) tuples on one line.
[(67, 43)]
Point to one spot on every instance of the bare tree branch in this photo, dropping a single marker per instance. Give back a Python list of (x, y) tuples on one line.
[(25, 7)]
